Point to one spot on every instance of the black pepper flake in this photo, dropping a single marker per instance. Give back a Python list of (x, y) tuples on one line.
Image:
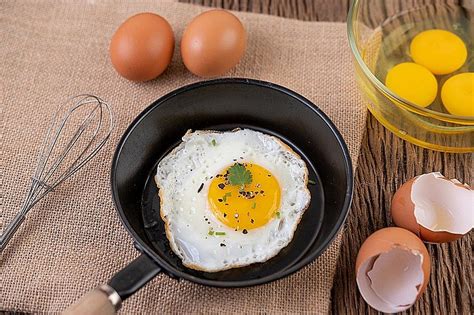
[(200, 187), (244, 231), (235, 160), (221, 186), (241, 158), (222, 245), (220, 200), (261, 191), (225, 214), (226, 204), (252, 221), (218, 175), (269, 175)]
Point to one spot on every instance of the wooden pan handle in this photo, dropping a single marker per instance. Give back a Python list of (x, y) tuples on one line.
[(107, 298), (100, 301)]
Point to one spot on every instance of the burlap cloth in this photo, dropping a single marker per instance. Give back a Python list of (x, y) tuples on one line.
[(73, 240)]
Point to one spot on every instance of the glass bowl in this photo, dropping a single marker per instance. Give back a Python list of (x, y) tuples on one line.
[(380, 33)]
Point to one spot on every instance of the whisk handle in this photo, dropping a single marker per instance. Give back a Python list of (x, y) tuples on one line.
[(10, 230)]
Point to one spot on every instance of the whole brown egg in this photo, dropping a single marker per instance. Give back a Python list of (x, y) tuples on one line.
[(213, 43), (142, 47)]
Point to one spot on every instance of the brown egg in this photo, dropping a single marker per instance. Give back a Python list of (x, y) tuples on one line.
[(142, 47), (392, 269), (213, 43), (434, 208)]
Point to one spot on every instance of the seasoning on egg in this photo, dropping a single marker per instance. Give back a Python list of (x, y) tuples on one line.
[(457, 94), (142, 47), (433, 207), (440, 51), (213, 43), (392, 269), (412, 82), (200, 187)]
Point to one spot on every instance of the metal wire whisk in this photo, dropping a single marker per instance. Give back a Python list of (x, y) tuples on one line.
[(79, 129)]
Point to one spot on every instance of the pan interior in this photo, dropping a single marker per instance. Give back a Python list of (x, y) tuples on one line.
[(303, 239)]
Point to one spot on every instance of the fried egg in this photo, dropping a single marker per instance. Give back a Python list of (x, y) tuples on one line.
[(230, 199)]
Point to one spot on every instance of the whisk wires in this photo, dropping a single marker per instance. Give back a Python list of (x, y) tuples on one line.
[(79, 129)]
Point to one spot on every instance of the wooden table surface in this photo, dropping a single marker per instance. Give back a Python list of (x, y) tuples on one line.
[(385, 162)]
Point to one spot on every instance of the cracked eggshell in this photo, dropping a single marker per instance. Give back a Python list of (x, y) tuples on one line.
[(392, 269), (435, 208)]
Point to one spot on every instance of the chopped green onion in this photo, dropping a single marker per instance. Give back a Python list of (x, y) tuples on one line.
[(211, 232), (213, 142), (254, 205), (311, 182), (227, 194), (277, 214), (220, 233)]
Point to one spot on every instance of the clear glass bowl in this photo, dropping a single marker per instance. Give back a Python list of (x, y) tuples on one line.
[(380, 33)]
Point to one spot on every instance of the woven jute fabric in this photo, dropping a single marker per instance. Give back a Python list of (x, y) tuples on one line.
[(73, 241)]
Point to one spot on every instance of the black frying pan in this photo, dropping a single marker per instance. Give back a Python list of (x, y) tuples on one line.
[(223, 104)]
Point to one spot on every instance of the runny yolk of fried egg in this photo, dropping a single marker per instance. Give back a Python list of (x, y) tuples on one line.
[(245, 207)]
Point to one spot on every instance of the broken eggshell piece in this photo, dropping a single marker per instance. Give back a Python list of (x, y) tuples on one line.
[(392, 269), (435, 208)]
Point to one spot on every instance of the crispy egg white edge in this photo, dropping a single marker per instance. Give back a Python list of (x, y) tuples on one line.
[(270, 255)]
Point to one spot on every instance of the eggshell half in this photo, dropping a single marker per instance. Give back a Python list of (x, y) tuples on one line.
[(435, 208), (392, 269)]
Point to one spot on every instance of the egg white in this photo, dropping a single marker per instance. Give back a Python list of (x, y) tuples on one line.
[(185, 207)]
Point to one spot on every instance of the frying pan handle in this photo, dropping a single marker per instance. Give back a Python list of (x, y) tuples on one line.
[(107, 299), (100, 301)]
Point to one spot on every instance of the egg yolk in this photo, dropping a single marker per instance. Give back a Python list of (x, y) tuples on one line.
[(457, 94), (413, 82), (249, 206), (440, 51)]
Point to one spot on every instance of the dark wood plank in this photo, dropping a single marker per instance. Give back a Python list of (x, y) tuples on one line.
[(385, 162), (307, 10)]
